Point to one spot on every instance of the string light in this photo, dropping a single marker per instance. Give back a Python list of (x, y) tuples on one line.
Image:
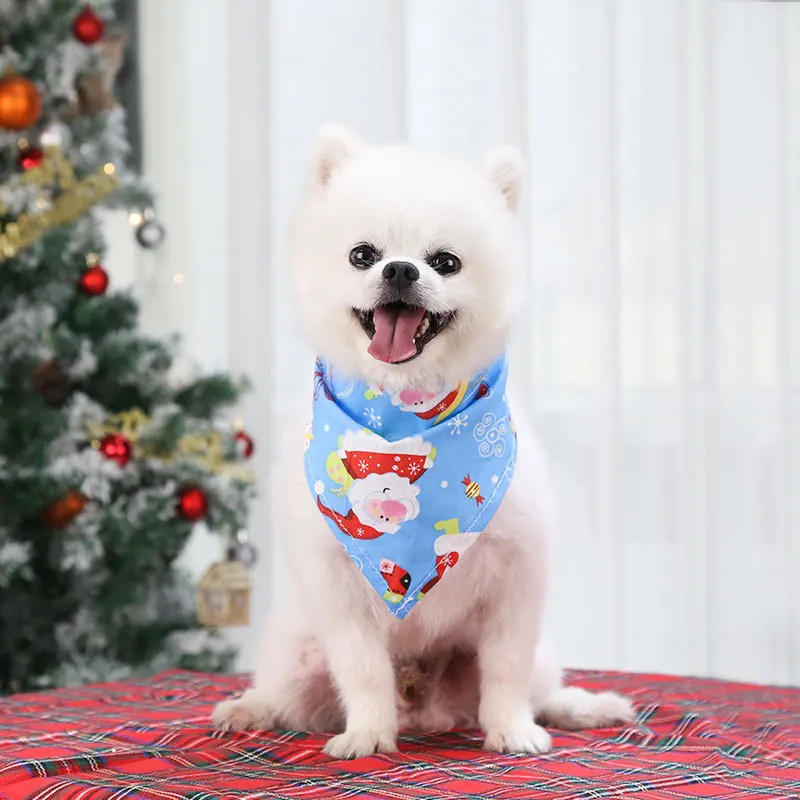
[(178, 278), (109, 169), (136, 218)]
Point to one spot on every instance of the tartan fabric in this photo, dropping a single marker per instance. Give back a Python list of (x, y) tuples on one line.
[(151, 740)]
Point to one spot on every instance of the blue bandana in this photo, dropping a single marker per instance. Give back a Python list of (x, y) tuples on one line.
[(408, 481)]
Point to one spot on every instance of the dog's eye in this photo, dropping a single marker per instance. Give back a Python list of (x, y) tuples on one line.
[(364, 256), (445, 263)]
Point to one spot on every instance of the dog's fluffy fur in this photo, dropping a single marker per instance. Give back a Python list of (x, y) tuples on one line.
[(469, 655)]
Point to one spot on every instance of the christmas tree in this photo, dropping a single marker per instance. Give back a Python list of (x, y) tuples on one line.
[(106, 462)]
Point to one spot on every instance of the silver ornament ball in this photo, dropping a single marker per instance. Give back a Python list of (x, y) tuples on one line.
[(244, 551), (247, 555), (150, 233)]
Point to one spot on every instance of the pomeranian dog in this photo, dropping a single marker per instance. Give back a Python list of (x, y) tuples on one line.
[(407, 270)]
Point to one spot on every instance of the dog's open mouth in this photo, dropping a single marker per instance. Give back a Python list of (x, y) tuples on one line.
[(399, 332)]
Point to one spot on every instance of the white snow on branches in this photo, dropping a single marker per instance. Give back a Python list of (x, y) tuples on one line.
[(23, 332), (82, 549), (86, 362), (81, 413), (91, 470), (14, 556), (155, 501), (17, 11), (63, 65)]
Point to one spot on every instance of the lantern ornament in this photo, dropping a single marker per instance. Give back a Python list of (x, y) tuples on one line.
[(223, 595)]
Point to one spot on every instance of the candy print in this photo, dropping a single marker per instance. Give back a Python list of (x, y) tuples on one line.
[(473, 490)]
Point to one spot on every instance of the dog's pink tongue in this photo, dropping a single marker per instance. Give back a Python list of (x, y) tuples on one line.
[(394, 333)]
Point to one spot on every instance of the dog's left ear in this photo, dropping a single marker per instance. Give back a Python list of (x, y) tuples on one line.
[(505, 169)]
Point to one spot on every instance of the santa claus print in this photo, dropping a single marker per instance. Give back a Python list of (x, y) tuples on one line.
[(430, 405), (384, 501), (449, 547), (381, 490)]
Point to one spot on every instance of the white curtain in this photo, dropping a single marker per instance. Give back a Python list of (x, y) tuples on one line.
[(661, 348)]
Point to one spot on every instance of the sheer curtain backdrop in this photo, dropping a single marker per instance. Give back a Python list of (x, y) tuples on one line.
[(661, 347)]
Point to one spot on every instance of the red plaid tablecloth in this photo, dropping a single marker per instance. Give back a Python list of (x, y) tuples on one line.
[(151, 739)]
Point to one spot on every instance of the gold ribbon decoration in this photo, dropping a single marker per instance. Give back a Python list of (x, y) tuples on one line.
[(71, 199), (204, 449)]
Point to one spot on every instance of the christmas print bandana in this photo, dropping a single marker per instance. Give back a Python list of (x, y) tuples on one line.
[(408, 481)]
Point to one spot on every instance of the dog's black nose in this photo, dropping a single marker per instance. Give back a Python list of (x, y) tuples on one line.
[(400, 274)]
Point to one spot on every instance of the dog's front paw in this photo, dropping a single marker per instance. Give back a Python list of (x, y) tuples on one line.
[(358, 743), (251, 711), (523, 736)]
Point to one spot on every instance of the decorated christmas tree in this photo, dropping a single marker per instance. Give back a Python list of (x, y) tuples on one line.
[(107, 461)]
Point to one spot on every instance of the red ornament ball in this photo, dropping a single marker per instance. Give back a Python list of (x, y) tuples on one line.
[(116, 447), (31, 157), (88, 27), (244, 444), (94, 281), (192, 504)]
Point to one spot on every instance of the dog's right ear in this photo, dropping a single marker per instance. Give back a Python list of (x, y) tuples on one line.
[(334, 146)]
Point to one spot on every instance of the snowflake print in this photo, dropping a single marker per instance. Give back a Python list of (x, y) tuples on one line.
[(373, 419), (413, 469), (490, 433), (457, 423), (449, 560), (362, 465)]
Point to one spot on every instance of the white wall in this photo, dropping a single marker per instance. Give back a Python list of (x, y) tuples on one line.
[(662, 346)]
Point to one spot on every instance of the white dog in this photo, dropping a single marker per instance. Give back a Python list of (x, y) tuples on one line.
[(470, 654)]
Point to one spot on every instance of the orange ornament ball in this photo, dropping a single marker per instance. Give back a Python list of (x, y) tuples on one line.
[(61, 512), (20, 103)]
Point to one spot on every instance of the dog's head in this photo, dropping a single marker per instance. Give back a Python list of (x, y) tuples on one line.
[(406, 266)]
